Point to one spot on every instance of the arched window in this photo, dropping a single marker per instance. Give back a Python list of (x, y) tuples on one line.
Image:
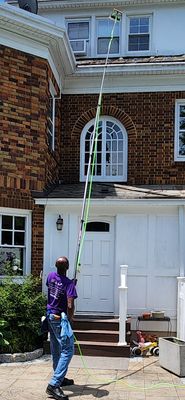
[(111, 158)]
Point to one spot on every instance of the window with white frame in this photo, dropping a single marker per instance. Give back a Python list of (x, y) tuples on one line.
[(104, 29), (78, 33), (111, 154), (14, 233), (51, 117), (180, 130), (139, 33)]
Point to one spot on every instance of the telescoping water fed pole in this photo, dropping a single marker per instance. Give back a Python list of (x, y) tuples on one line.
[(116, 16)]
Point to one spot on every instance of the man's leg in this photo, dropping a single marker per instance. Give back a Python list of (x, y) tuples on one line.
[(65, 358), (55, 344), (53, 389)]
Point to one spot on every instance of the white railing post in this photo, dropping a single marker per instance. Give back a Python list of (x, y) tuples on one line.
[(122, 305), (181, 308)]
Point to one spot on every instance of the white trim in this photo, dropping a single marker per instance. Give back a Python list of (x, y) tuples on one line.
[(28, 215), (181, 224), (177, 157), (53, 94), (68, 4), (103, 177), (38, 36), (104, 203)]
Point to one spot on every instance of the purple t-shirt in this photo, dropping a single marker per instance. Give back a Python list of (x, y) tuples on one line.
[(59, 289)]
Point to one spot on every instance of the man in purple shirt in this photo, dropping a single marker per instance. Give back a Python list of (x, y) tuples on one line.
[(60, 310)]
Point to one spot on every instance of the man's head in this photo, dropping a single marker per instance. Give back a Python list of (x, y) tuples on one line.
[(62, 265)]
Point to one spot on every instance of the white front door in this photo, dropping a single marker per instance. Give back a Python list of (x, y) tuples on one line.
[(96, 277)]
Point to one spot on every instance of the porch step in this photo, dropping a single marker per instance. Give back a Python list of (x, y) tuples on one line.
[(102, 349), (100, 335), (111, 324), (97, 337)]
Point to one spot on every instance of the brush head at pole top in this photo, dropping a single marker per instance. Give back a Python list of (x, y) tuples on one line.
[(116, 14)]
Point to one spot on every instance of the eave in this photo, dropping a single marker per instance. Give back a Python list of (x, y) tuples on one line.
[(36, 35)]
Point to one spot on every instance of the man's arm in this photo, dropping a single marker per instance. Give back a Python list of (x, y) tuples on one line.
[(70, 308)]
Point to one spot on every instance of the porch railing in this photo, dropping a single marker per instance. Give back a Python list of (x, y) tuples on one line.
[(123, 305)]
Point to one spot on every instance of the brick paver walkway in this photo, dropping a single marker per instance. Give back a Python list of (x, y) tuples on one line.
[(143, 379)]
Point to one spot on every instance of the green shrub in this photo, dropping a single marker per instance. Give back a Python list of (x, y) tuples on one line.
[(21, 308)]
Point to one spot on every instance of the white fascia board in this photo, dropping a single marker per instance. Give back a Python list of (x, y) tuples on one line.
[(36, 35), (138, 68), (111, 202), (125, 84), (71, 4)]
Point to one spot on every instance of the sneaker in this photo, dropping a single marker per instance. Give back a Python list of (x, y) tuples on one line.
[(56, 393), (67, 382)]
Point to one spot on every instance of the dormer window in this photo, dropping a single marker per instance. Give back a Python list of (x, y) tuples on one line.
[(104, 29), (139, 33), (78, 33)]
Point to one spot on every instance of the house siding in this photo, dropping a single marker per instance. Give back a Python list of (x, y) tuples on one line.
[(149, 119), (27, 163)]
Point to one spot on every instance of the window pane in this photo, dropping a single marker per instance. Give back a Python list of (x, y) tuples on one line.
[(19, 223), (182, 123), (97, 227), (78, 30), (114, 170), (7, 222), (6, 237), (11, 261), (103, 45), (120, 169), (182, 111), (182, 143), (138, 43), (77, 45), (105, 27), (19, 238), (98, 172)]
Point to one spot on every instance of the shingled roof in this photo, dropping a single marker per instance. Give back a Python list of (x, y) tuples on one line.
[(113, 191)]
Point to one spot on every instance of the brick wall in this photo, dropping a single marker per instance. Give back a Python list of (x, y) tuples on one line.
[(26, 162), (149, 121)]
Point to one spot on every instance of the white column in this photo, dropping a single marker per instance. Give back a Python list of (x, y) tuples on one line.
[(122, 305)]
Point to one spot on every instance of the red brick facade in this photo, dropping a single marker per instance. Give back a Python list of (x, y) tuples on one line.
[(149, 120), (26, 161), (27, 164)]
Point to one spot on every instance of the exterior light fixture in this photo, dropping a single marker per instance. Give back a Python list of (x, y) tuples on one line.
[(59, 223)]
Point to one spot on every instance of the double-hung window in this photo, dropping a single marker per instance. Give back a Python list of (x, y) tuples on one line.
[(104, 29), (14, 238), (180, 130), (139, 33), (78, 33), (51, 117), (111, 152)]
